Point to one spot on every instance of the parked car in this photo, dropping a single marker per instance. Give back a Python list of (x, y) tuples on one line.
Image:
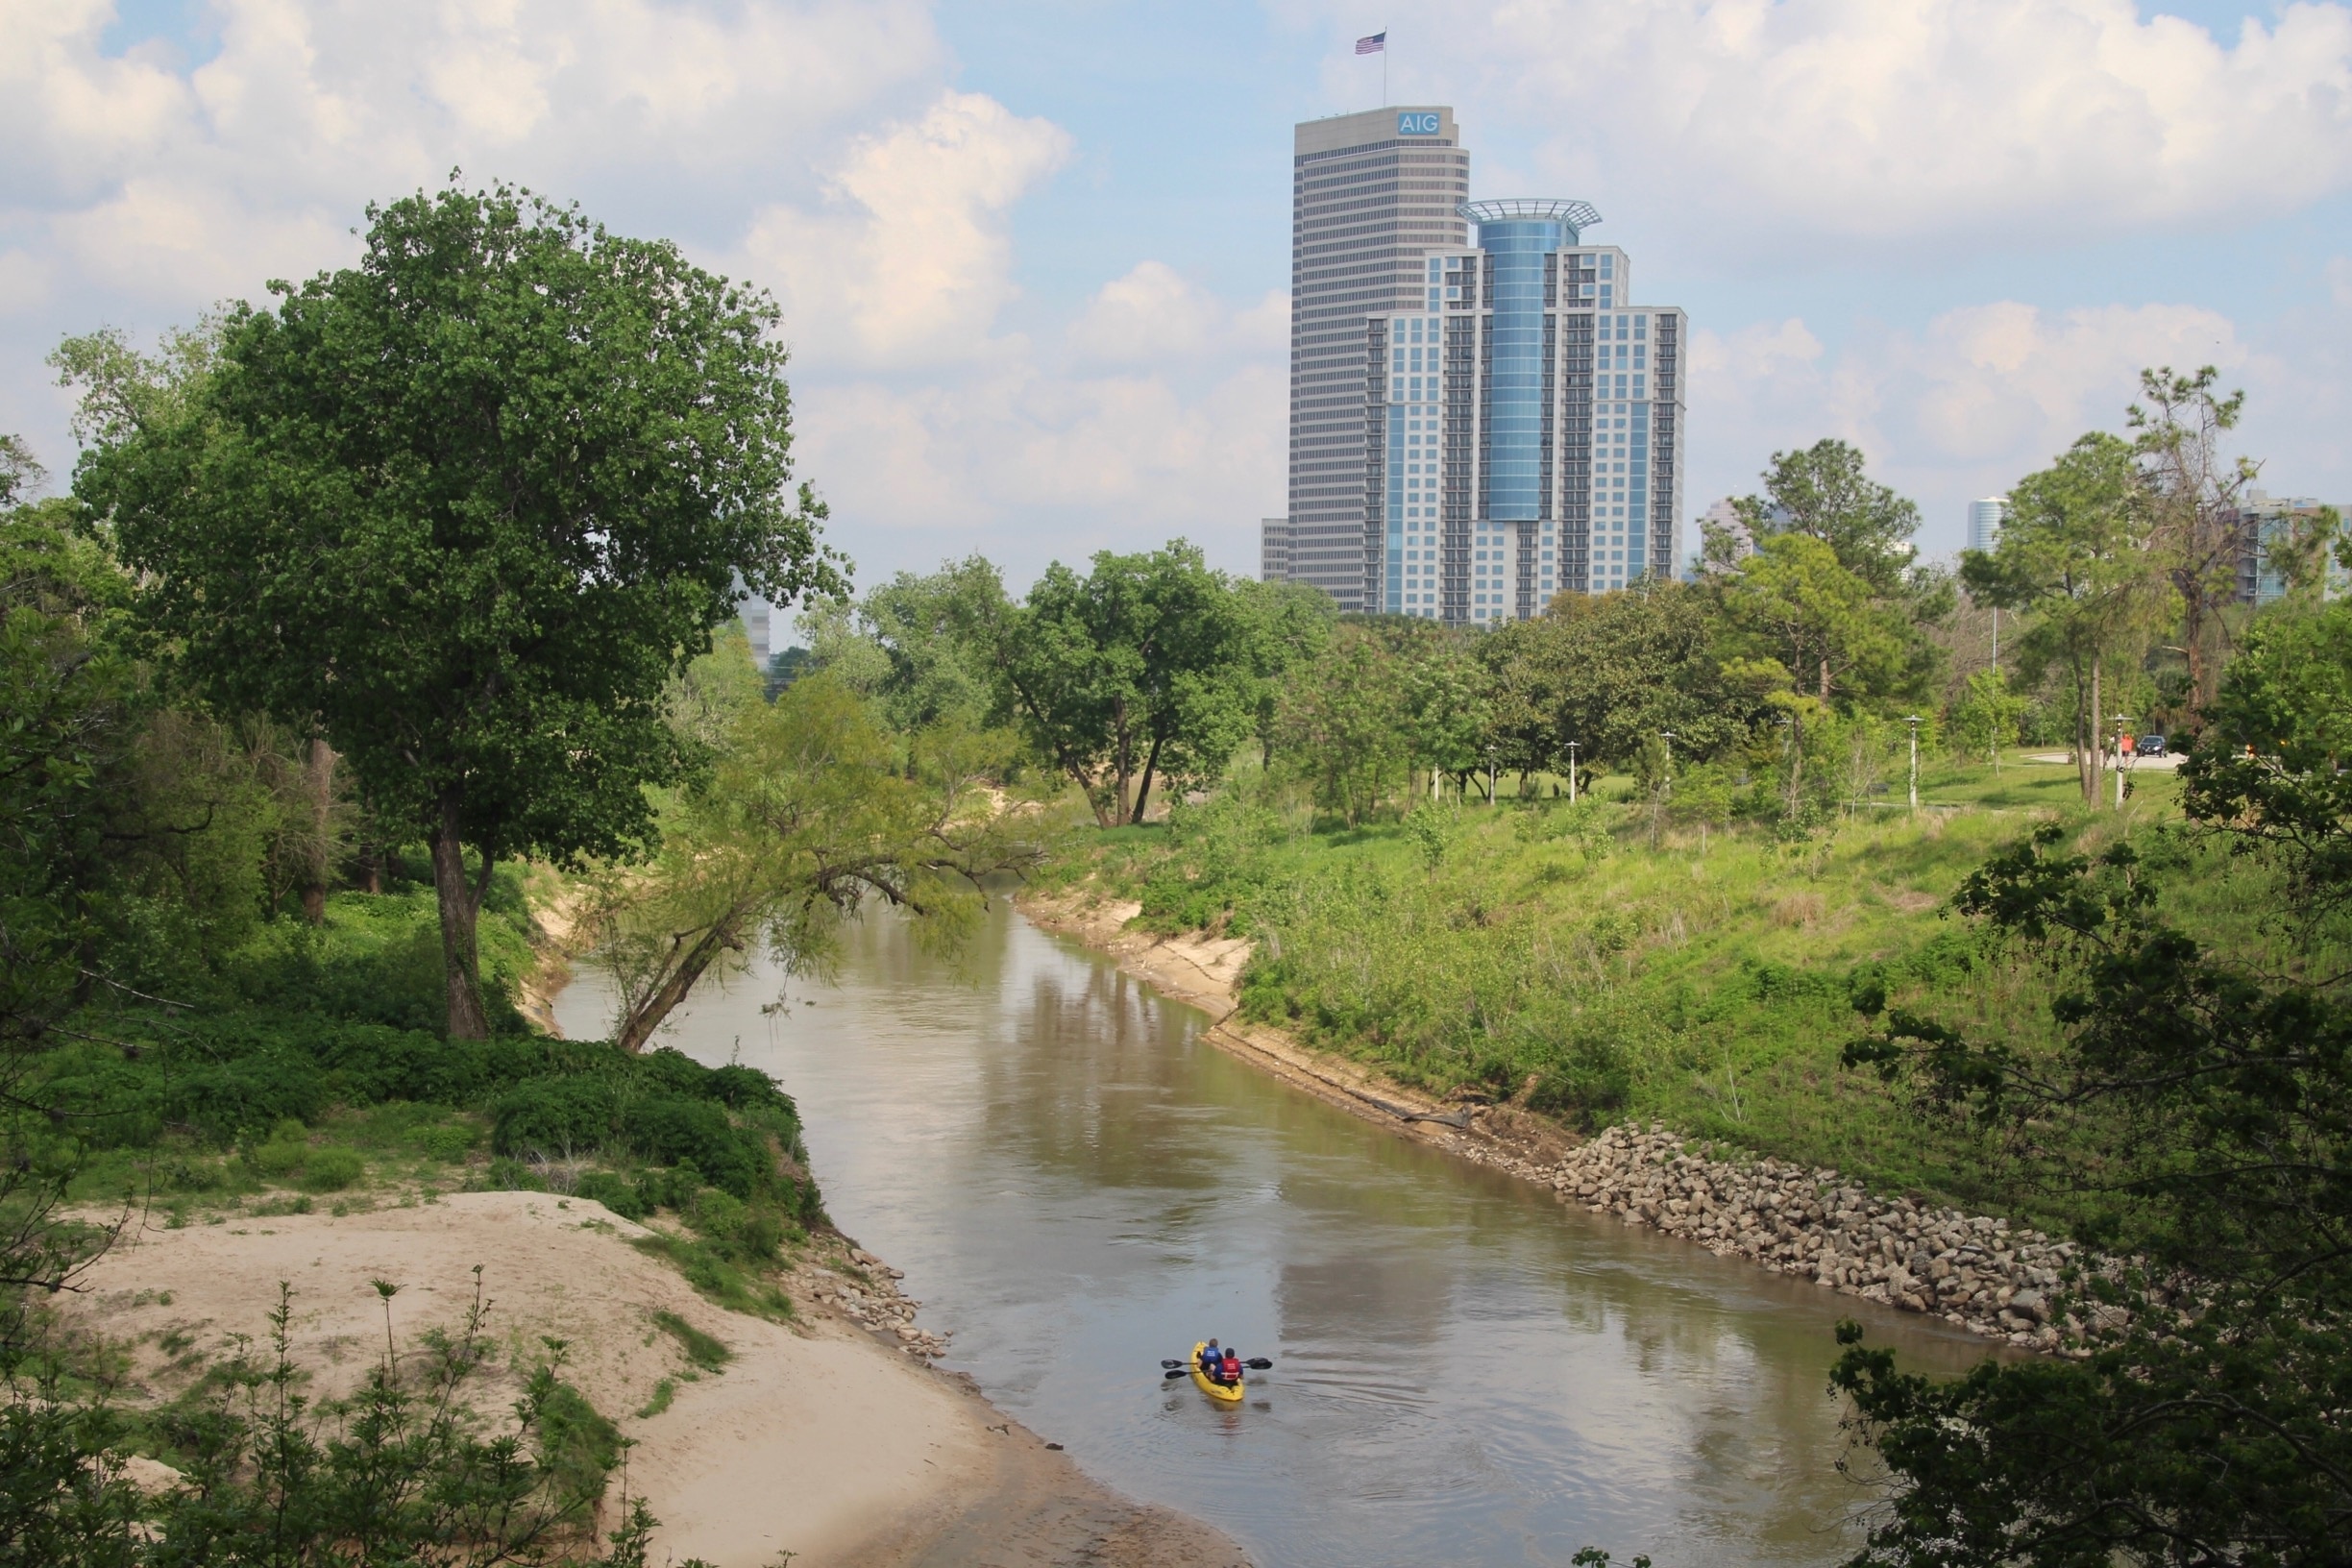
[(2151, 746)]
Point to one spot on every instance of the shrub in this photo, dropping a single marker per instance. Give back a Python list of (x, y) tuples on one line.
[(623, 1197), (555, 1115), (333, 1169)]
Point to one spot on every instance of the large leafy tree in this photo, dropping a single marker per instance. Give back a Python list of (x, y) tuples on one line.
[(1344, 723), (1147, 667), (1612, 672), (465, 508), (2075, 553)]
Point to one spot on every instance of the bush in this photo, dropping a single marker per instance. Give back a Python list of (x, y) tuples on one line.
[(549, 1117), (623, 1197), (332, 1169)]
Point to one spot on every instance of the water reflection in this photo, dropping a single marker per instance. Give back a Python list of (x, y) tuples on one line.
[(1467, 1372)]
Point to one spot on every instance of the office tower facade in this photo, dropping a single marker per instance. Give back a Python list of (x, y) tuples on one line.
[(1984, 523), (1274, 549), (1373, 195), (1527, 436)]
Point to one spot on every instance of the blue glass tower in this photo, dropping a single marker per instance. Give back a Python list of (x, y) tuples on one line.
[(1521, 238), (1530, 439)]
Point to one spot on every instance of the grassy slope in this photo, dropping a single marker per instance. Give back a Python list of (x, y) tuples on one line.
[(1705, 983)]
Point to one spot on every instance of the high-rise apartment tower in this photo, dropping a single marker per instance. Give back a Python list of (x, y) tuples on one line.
[(1373, 196), (1527, 438), (1984, 523)]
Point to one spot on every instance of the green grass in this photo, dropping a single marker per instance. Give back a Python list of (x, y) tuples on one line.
[(1547, 953), (706, 1351)]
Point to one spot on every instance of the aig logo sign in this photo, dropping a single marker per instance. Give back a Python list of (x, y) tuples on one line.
[(1420, 122)]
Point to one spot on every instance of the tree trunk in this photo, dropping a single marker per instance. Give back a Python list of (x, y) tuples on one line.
[(1825, 681), (319, 776), (2091, 757), (1122, 751), (460, 905), (647, 1017), (1151, 762)]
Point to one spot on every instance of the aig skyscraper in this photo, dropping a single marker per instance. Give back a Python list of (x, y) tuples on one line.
[(1474, 428), (1372, 195)]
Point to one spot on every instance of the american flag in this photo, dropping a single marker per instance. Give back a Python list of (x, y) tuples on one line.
[(1377, 43)]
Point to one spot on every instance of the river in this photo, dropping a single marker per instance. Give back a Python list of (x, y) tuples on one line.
[(1466, 1371)]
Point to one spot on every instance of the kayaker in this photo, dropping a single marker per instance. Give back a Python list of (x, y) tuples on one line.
[(1232, 1369), (1212, 1361)]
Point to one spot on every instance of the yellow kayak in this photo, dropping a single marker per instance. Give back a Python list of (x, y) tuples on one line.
[(1223, 1393)]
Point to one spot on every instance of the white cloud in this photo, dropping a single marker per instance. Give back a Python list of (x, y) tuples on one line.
[(909, 261), (1981, 396), (1154, 314), (812, 146), (1898, 122)]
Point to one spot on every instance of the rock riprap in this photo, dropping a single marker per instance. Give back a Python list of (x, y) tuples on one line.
[(1980, 1273), (871, 1298)]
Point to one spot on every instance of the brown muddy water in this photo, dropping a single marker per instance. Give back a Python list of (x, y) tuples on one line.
[(1466, 1371)]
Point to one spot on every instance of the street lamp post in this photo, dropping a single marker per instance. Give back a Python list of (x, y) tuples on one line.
[(1913, 719), (2121, 720), (1572, 782), (1491, 777)]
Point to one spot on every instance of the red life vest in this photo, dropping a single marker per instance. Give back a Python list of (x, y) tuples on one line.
[(1232, 1368)]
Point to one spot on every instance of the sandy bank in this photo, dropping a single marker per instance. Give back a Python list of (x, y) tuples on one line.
[(817, 1438)]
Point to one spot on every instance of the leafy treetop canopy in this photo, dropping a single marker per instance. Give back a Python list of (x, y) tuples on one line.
[(468, 505)]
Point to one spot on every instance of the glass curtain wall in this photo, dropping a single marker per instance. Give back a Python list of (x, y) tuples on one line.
[(1521, 248)]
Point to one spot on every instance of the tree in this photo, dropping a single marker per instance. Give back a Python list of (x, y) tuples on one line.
[(2288, 692), (1448, 701), (1793, 603), (463, 510), (805, 812), (1985, 718), (1612, 671), (1144, 668), (2193, 493), (1290, 626), (69, 719), (20, 472), (2202, 1096), (2075, 553), (1344, 723), (1821, 492)]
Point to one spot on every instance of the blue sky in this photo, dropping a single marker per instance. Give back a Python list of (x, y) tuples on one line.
[(1033, 253)]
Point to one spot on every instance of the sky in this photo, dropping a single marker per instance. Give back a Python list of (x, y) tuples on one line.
[(1033, 255)]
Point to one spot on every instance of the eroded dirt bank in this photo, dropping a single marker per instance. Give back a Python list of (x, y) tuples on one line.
[(826, 1438)]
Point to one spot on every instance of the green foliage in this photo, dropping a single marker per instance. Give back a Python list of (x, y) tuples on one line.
[(807, 809), (2201, 1096), (404, 1470), (1824, 493), (2290, 693), (333, 482), (706, 1352), (1145, 671), (1610, 674)]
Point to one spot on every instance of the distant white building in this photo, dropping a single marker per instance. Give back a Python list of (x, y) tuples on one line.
[(1984, 523), (757, 617), (2262, 521), (1725, 516)]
